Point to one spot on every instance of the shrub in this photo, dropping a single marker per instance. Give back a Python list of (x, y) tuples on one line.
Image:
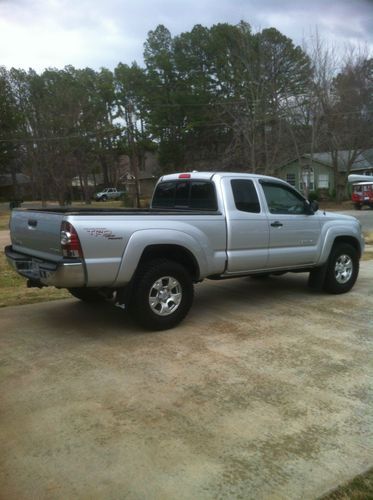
[(314, 195)]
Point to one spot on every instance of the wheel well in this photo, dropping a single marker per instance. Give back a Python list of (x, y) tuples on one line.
[(172, 252), (350, 240)]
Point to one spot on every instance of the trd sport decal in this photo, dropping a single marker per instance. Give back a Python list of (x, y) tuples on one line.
[(102, 232)]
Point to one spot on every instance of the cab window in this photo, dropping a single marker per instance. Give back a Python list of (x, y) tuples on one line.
[(187, 195)]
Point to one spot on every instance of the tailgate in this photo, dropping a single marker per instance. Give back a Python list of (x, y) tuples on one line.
[(37, 233)]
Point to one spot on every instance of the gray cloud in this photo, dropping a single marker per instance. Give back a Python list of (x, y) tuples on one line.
[(40, 33)]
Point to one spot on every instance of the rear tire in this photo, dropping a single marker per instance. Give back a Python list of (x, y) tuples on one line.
[(87, 294), (342, 270), (162, 295)]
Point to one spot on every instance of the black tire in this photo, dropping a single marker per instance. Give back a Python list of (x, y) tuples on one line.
[(357, 206), (336, 280), (140, 307), (103, 198), (87, 294)]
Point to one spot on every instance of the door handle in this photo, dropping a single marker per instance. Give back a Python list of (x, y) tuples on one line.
[(32, 223), (277, 223)]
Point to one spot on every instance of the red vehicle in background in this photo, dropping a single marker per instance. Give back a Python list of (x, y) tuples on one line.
[(362, 194)]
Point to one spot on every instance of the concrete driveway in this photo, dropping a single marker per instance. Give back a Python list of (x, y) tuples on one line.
[(263, 392)]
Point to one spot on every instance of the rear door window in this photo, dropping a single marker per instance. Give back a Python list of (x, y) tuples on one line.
[(245, 196)]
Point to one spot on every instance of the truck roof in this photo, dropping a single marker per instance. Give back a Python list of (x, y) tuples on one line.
[(209, 175)]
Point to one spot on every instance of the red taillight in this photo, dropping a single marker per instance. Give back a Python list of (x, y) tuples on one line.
[(184, 176), (70, 243)]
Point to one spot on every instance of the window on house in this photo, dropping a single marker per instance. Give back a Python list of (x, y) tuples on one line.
[(323, 181), (290, 178)]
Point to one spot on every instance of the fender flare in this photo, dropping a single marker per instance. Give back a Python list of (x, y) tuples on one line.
[(142, 239)]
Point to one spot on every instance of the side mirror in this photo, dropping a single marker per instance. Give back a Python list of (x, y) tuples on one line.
[(311, 207), (314, 205)]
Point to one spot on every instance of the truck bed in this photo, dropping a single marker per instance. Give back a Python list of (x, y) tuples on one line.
[(120, 211)]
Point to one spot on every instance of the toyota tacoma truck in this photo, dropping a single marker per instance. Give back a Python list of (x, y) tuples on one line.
[(200, 225)]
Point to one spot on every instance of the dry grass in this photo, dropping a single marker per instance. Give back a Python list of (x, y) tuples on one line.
[(333, 205), (4, 220), (369, 238), (13, 290), (360, 488), (367, 256)]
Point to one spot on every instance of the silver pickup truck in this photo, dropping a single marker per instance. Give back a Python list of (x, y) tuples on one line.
[(109, 194), (200, 225)]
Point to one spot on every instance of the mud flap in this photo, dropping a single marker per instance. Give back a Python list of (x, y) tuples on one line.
[(317, 276)]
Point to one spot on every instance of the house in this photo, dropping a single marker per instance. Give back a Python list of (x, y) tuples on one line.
[(318, 174), (148, 172)]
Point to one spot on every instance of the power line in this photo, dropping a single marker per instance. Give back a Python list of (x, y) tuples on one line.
[(86, 135)]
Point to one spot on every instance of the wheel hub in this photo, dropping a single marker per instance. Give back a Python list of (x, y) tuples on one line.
[(343, 269), (165, 296)]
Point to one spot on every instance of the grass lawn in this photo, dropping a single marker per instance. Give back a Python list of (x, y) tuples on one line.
[(359, 488), (13, 290)]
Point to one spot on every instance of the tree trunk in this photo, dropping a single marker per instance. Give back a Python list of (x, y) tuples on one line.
[(105, 170), (340, 186), (13, 173)]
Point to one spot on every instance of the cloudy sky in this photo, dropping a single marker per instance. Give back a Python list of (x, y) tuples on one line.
[(95, 33)]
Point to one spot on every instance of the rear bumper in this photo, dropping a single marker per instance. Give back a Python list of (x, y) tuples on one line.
[(64, 274)]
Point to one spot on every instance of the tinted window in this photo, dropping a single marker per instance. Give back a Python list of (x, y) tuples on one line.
[(196, 195), (245, 196), (282, 200), (164, 195), (182, 194), (202, 196)]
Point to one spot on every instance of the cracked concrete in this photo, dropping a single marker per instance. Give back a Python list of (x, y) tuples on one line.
[(265, 391)]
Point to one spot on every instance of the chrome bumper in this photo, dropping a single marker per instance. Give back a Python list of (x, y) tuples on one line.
[(64, 274)]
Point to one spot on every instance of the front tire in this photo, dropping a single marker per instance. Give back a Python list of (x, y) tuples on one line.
[(162, 294), (343, 269)]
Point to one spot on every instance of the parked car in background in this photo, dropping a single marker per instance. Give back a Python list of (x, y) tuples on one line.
[(109, 194), (362, 194)]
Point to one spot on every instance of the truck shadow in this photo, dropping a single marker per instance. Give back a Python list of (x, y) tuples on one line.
[(91, 320), (104, 321)]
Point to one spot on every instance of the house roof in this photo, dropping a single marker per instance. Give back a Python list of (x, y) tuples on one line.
[(364, 161)]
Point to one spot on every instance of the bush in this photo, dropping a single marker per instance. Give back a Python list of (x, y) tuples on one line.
[(314, 195), (333, 194)]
